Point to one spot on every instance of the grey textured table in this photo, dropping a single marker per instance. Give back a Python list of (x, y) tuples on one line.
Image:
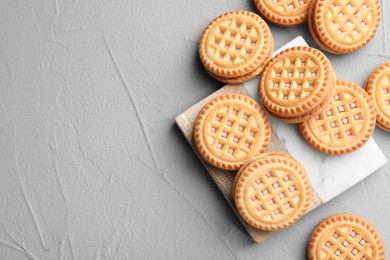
[(92, 165)]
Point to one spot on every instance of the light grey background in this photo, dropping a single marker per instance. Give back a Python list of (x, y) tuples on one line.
[(91, 163)]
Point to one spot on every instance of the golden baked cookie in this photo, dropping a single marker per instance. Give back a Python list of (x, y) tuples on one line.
[(231, 129), (296, 84), (345, 236), (272, 191), (378, 88), (235, 45), (344, 26), (345, 124), (286, 13), (312, 28)]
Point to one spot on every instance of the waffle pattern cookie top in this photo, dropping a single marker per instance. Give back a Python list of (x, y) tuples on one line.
[(345, 236), (344, 25), (235, 44), (345, 124), (272, 191), (378, 88), (296, 82), (287, 13), (230, 129)]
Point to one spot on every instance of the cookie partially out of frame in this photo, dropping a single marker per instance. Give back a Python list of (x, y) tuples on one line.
[(345, 124), (285, 13), (345, 236), (378, 88), (272, 191), (235, 46), (344, 26), (296, 84), (231, 129)]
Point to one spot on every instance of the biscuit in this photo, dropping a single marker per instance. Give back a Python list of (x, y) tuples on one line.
[(344, 26), (285, 13), (345, 236), (231, 129), (272, 191), (296, 84), (235, 45), (345, 124), (313, 31), (378, 88)]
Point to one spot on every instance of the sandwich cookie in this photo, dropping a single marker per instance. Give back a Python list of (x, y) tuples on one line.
[(343, 26), (285, 13), (345, 124), (236, 46), (231, 129), (378, 88), (345, 236), (272, 191), (297, 84)]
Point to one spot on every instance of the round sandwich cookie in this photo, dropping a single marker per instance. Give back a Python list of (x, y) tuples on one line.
[(235, 46), (345, 236), (297, 84), (272, 191), (378, 88), (285, 13), (343, 26), (345, 124), (231, 129)]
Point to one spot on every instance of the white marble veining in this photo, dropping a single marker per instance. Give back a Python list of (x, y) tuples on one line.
[(329, 175)]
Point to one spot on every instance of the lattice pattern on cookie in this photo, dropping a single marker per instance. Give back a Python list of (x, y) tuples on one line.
[(342, 119), (347, 242), (384, 89), (232, 131), (233, 41), (288, 5), (350, 20), (274, 195), (293, 78)]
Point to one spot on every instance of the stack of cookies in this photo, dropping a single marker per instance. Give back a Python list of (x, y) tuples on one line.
[(343, 26), (235, 46), (297, 84)]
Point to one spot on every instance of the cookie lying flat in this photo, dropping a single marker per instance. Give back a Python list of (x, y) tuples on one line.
[(272, 191), (378, 88), (235, 46), (231, 129), (296, 84), (286, 13), (343, 26), (345, 236), (345, 124)]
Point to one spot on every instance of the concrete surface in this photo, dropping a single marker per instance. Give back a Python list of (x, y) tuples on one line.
[(91, 163)]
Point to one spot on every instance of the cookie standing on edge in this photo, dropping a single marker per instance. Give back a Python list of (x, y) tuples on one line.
[(231, 129), (297, 84), (285, 13), (272, 191), (235, 46), (345, 236), (378, 88), (343, 26), (345, 124)]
